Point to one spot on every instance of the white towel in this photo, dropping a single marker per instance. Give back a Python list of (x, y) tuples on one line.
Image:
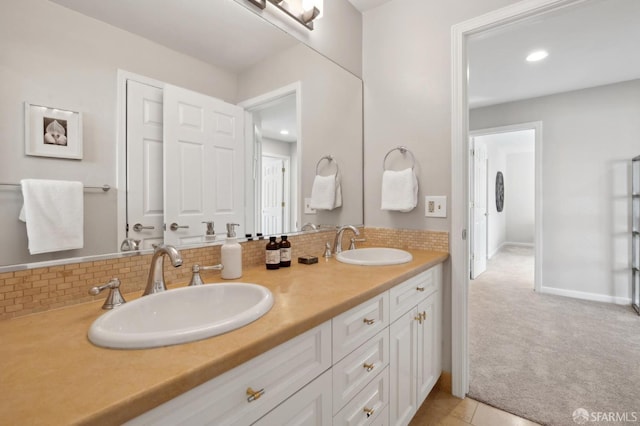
[(53, 212), (326, 193), (399, 190)]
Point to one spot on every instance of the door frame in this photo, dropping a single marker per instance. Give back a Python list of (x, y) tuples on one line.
[(459, 172), (536, 126), (254, 103), (121, 143)]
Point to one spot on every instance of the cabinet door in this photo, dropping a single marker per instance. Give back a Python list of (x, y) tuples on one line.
[(403, 366), (429, 344), (311, 406)]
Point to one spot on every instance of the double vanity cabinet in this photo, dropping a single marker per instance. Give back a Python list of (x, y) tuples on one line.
[(371, 365)]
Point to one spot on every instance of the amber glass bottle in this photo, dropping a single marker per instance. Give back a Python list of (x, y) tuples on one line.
[(273, 254), (285, 252)]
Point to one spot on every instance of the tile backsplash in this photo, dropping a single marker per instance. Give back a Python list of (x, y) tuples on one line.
[(40, 289)]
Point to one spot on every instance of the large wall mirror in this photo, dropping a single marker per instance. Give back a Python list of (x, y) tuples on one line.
[(293, 106)]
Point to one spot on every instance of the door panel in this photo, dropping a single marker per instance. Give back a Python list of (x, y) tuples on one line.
[(479, 202), (203, 164), (145, 201)]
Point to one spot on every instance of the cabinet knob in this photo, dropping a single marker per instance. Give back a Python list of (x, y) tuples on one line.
[(368, 411), (420, 288), (368, 321), (369, 367), (253, 395), (418, 318)]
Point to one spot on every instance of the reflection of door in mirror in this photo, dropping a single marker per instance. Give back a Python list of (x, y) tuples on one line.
[(145, 211), (275, 155), (195, 176)]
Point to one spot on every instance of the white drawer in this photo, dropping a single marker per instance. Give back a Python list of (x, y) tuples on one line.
[(366, 406), (382, 419), (414, 290), (310, 406), (224, 401), (359, 324), (358, 368)]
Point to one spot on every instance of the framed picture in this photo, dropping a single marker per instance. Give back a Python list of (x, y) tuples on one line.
[(52, 132)]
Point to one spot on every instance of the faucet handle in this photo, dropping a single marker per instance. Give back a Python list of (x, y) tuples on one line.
[(114, 298), (196, 279), (355, 240), (327, 250)]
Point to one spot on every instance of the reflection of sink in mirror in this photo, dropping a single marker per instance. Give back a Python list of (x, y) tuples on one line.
[(181, 315), (374, 256)]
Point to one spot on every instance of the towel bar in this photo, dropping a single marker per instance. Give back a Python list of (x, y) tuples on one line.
[(330, 159), (105, 187), (403, 150)]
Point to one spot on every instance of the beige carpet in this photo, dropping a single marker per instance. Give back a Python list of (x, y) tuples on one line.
[(542, 357)]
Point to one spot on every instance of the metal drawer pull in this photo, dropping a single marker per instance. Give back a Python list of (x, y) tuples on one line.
[(369, 367), (420, 288), (368, 321), (369, 411), (423, 315), (253, 395), (139, 227), (174, 226)]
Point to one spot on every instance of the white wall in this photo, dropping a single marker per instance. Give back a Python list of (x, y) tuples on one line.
[(406, 69), (337, 34), (60, 58), (497, 221), (589, 137), (520, 198)]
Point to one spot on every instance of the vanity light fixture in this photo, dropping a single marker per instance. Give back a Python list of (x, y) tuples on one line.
[(305, 16), (537, 55)]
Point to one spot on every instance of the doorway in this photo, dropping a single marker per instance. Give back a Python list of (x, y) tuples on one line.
[(504, 175)]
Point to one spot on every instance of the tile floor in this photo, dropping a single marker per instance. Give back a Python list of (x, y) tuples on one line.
[(441, 408)]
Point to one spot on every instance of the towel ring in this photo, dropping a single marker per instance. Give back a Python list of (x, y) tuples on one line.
[(330, 159), (403, 150)]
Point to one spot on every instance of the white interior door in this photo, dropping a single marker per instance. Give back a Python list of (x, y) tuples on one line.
[(203, 164), (479, 208), (145, 205), (272, 195)]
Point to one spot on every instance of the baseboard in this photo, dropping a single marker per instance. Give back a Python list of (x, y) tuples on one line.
[(493, 253), (519, 244), (444, 382), (586, 296)]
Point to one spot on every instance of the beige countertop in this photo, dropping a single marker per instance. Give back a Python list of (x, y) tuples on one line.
[(51, 374)]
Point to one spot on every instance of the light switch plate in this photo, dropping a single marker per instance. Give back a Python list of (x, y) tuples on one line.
[(435, 206), (307, 207)]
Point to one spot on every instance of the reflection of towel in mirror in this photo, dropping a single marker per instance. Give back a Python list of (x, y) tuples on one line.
[(54, 214), (326, 193), (399, 190)]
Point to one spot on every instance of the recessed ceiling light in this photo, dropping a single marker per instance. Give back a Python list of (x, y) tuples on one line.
[(284, 132), (538, 55)]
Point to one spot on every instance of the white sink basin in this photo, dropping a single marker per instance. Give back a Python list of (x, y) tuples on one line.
[(374, 256), (181, 315)]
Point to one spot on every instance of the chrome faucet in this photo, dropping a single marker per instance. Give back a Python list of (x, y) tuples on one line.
[(309, 227), (155, 282), (337, 244)]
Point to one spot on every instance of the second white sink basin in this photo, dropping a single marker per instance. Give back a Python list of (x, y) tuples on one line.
[(182, 315), (375, 256)]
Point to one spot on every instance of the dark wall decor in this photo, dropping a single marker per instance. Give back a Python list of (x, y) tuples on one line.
[(499, 191)]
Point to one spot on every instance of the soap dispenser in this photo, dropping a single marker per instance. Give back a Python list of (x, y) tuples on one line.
[(231, 255)]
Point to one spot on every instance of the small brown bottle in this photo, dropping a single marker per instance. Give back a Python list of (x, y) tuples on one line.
[(285, 252), (273, 254)]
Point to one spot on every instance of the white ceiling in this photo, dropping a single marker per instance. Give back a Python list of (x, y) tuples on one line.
[(198, 28), (277, 116), (364, 5), (591, 44)]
